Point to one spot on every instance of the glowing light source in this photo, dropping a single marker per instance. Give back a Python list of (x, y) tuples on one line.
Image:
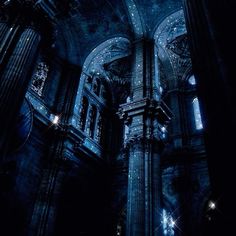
[(192, 80), (212, 205), (168, 223), (197, 114), (163, 129), (55, 120), (172, 223)]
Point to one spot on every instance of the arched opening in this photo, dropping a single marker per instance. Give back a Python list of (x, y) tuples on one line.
[(91, 121), (105, 84)]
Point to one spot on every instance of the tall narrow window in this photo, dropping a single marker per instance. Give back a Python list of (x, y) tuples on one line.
[(91, 121), (39, 78), (197, 114), (83, 113), (98, 136), (126, 132)]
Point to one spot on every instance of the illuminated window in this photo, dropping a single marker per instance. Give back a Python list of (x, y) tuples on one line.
[(168, 223), (99, 131), (192, 80), (126, 132), (91, 121), (160, 89), (128, 99), (39, 78), (197, 114), (163, 131)]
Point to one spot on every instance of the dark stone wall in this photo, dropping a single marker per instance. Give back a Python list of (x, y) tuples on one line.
[(212, 52), (83, 205), (26, 174)]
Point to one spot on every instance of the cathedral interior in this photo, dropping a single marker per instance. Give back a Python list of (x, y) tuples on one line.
[(117, 117)]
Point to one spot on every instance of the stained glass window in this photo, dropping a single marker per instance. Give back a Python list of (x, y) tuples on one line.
[(39, 78)]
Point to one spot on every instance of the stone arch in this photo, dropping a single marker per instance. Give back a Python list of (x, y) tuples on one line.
[(108, 51), (172, 27), (135, 18)]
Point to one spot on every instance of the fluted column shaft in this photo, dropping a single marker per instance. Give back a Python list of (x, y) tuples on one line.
[(15, 79)]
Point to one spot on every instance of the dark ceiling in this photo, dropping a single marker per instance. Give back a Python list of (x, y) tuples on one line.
[(91, 22)]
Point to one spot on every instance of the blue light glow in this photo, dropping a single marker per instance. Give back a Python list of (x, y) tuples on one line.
[(197, 114)]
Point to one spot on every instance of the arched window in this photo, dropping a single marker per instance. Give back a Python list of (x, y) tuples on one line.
[(197, 114), (192, 80), (91, 121), (39, 78), (83, 113)]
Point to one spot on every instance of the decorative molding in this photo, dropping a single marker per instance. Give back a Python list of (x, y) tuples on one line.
[(180, 46), (148, 106)]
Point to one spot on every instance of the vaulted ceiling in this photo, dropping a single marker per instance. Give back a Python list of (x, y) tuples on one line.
[(84, 24)]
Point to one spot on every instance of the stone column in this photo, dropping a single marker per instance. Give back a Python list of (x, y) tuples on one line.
[(20, 45), (14, 80), (143, 214), (7, 41), (3, 22)]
